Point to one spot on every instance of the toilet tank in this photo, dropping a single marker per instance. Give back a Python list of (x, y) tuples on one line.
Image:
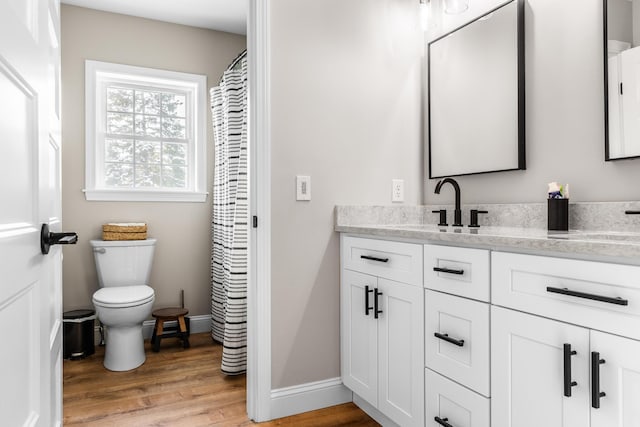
[(123, 262)]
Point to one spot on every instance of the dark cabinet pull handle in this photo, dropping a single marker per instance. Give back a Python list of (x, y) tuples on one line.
[(632, 212), (372, 258), (366, 300), (448, 270), (568, 383), (596, 394), (448, 339), (376, 294), (610, 300), (443, 422)]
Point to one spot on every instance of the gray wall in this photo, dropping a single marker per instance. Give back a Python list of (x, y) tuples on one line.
[(346, 109), (636, 22), (182, 259), (564, 115), (620, 17)]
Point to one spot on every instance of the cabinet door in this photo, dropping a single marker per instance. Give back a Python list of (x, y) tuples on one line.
[(458, 271), (466, 322), (401, 353), (619, 377), (359, 339), (382, 258), (527, 371), (448, 401)]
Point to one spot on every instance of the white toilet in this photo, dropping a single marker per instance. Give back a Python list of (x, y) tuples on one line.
[(124, 299)]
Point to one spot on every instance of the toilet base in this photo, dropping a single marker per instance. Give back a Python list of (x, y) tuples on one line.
[(124, 348)]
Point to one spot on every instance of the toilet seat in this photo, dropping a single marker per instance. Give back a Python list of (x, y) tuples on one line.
[(123, 296)]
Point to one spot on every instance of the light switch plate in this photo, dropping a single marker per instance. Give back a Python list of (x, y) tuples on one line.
[(303, 187), (397, 190)]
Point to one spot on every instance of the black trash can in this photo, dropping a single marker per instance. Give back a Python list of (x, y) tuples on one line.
[(78, 334)]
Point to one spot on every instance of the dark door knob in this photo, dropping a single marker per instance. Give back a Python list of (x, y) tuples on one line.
[(47, 239)]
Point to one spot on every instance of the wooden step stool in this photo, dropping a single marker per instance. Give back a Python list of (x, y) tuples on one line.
[(180, 330)]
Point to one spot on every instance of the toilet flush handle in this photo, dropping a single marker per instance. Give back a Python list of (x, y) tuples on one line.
[(100, 250)]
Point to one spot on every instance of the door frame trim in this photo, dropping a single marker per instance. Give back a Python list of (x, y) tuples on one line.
[(259, 280)]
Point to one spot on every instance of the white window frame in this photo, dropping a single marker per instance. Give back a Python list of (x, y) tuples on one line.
[(97, 76)]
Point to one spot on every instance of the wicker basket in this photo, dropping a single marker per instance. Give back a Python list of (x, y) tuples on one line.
[(111, 235), (124, 231)]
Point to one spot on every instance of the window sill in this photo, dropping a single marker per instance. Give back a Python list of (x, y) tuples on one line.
[(145, 196)]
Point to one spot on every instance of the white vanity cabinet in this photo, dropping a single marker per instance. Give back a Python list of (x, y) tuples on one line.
[(381, 324), (438, 335), (456, 338), (536, 378)]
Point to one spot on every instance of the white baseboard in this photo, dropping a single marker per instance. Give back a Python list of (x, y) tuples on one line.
[(378, 416), (197, 324), (308, 397)]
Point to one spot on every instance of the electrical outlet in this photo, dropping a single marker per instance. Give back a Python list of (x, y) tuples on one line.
[(303, 187), (397, 190)]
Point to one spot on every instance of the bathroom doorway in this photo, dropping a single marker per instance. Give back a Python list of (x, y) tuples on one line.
[(179, 243)]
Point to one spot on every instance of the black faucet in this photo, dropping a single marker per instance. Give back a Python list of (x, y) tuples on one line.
[(457, 213)]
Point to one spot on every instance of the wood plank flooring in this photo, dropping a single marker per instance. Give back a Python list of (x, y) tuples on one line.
[(174, 387)]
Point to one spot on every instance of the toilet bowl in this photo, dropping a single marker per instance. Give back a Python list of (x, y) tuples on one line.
[(122, 310), (124, 299)]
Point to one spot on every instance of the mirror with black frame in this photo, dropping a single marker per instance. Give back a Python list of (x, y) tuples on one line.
[(622, 80), (476, 95)]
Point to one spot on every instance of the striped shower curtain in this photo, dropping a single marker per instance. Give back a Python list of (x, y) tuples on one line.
[(229, 225)]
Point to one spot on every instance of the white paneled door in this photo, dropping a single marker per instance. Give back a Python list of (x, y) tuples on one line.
[(30, 282)]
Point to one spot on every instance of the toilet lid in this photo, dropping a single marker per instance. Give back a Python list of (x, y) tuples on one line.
[(123, 296)]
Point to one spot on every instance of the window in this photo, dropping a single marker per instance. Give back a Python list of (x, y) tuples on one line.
[(145, 134)]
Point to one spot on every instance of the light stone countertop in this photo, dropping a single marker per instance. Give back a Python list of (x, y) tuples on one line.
[(607, 245), (611, 246)]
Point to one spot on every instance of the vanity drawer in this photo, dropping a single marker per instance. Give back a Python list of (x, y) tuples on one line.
[(460, 406), (464, 359), (597, 295), (458, 271), (397, 261)]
